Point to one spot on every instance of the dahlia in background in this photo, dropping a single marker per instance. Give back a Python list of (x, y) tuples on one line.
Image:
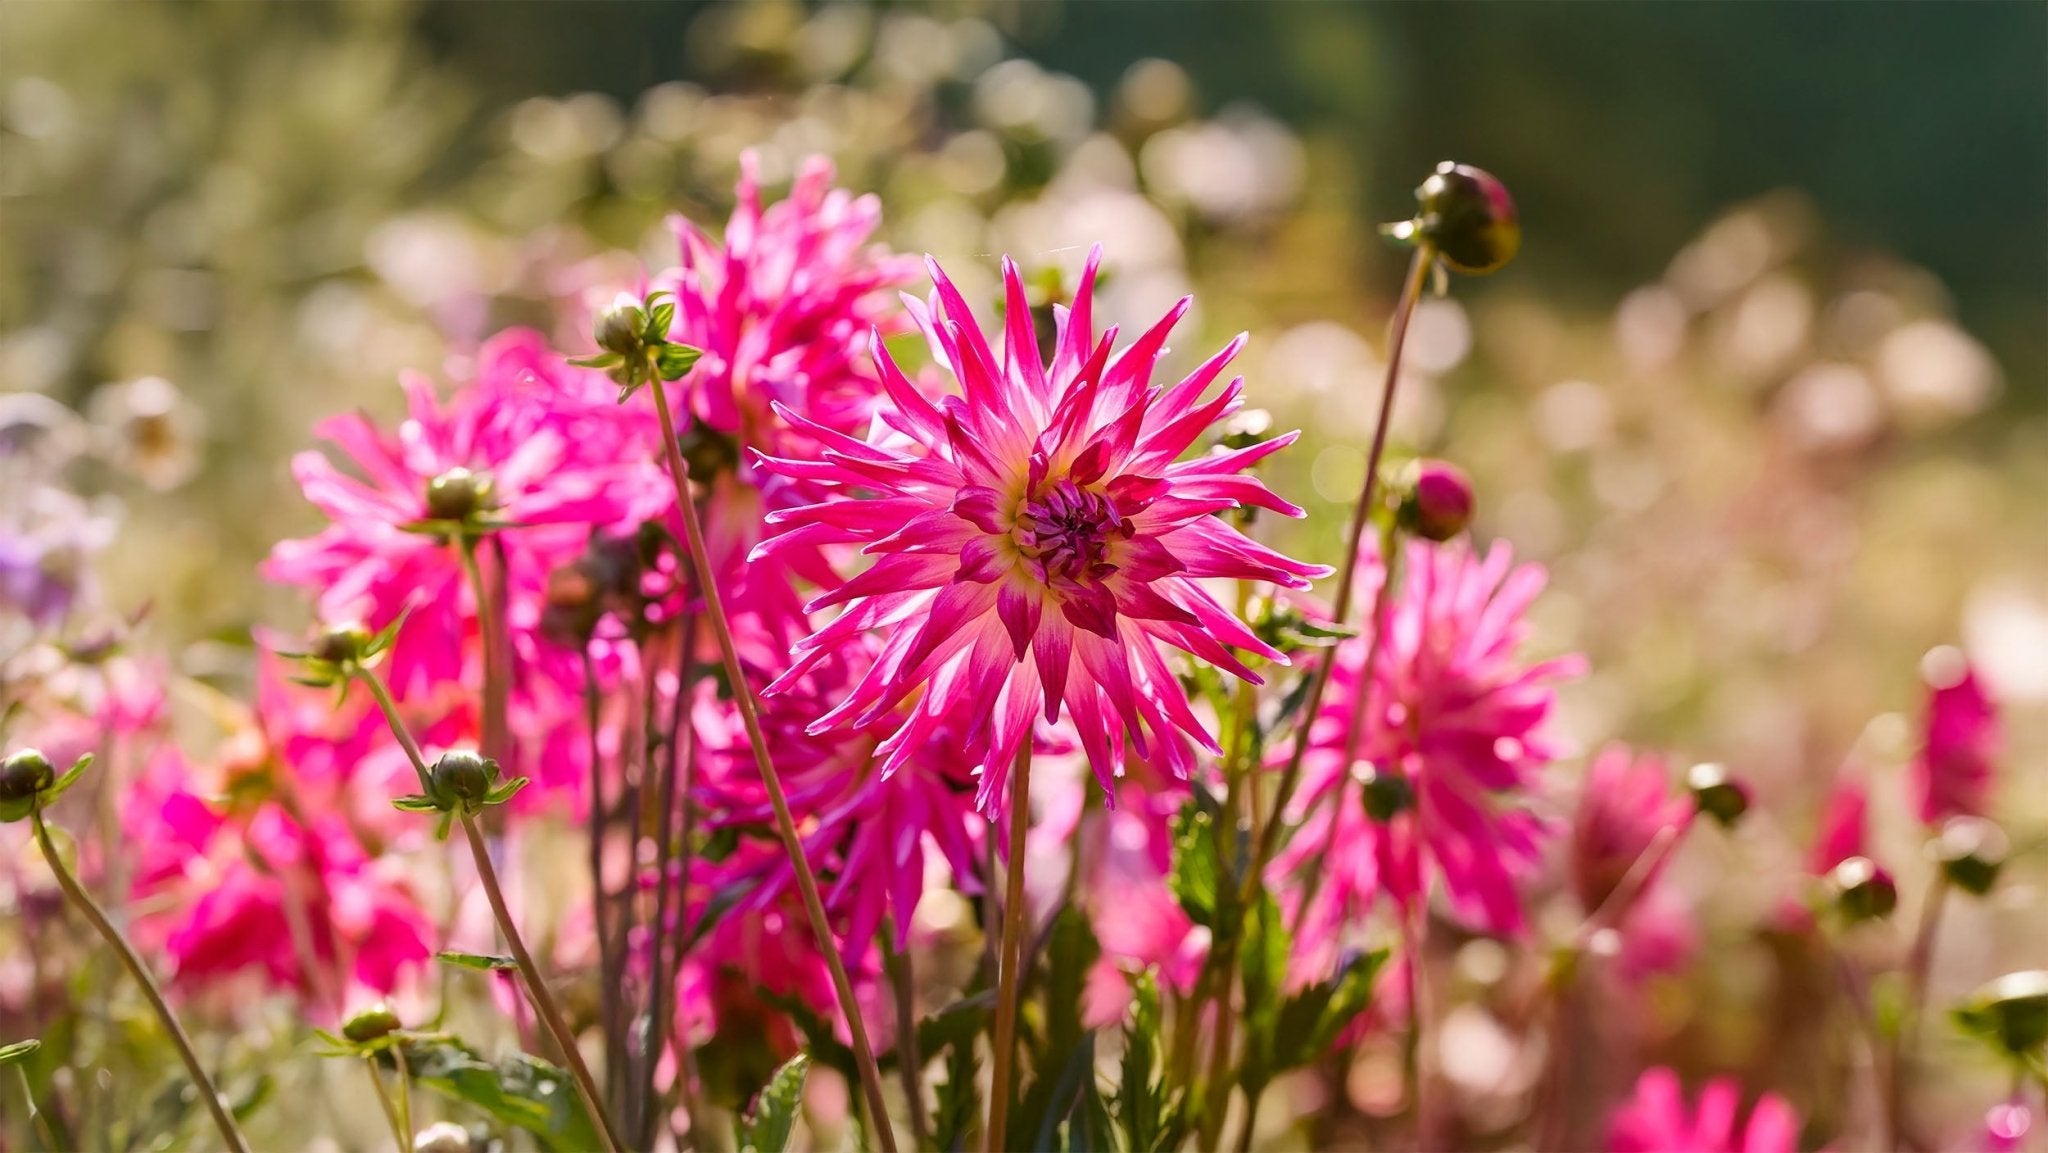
[(1957, 765), (1036, 541), (1656, 1119), (1624, 807), (1455, 724)]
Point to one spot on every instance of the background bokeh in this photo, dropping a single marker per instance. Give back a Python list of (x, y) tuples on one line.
[(1765, 389)]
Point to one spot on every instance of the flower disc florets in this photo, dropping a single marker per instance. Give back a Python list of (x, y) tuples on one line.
[(1036, 540)]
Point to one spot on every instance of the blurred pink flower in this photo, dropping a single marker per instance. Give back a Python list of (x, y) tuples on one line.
[(1455, 715), (1842, 833), (1956, 768), (293, 897), (557, 463), (1625, 804), (1656, 1119), (1044, 514)]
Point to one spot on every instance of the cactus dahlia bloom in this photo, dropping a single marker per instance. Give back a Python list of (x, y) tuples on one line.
[(1037, 541), (1658, 1120), (1456, 717)]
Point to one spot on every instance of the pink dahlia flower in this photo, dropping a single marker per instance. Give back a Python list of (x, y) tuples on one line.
[(1037, 541), (555, 466), (868, 833), (1957, 765), (1843, 830), (1657, 1119), (1626, 802), (1455, 715)]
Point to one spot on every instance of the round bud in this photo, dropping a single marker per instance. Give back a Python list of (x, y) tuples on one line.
[(1387, 795), (1971, 851), (2012, 1011), (462, 775), (458, 494), (1438, 504), (442, 1137), (1717, 794), (617, 328), (1864, 891), (369, 1024), (23, 776), (1468, 218), (342, 643)]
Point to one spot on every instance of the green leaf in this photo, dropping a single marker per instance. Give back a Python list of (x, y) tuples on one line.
[(519, 1090), (820, 1040), (1197, 876), (1299, 1031), (1070, 954), (957, 1108), (1149, 1112), (601, 360), (492, 962), (957, 1024), (19, 1051), (658, 320), (1077, 1078), (415, 803), (676, 359), (65, 782), (767, 1125), (505, 791)]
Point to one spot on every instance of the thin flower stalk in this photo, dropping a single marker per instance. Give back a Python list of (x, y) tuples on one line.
[(1905, 1039), (401, 1130), (785, 823), (1361, 514), (909, 1060), (537, 992), (496, 681), (208, 1092), (1010, 978)]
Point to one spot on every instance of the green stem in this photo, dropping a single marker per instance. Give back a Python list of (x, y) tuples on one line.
[(1009, 981), (229, 1131), (1903, 1043), (404, 1093), (1361, 514), (401, 1133), (495, 680), (785, 824), (536, 989)]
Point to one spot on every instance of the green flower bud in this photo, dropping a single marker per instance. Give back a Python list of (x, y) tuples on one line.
[(618, 328), (24, 775), (462, 777), (1971, 851), (1717, 794), (2011, 1012), (340, 644), (1387, 795), (1864, 891), (458, 495), (1466, 215), (1245, 429), (371, 1024), (1438, 501)]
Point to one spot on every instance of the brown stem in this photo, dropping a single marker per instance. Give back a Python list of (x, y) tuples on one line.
[(909, 1061), (495, 681), (1347, 569), (785, 824), (667, 883), (208, 1092), (1009, 981), (1903, 1043), (537, 989), (608, 997)]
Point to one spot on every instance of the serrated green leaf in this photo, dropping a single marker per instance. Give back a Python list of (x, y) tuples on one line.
[(1148, 1111), (767, 1125), (19, 1051), (1070, 953), (956, 1024), (676, 359), (493, 962), (1076, 1079), (519, 1090)]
